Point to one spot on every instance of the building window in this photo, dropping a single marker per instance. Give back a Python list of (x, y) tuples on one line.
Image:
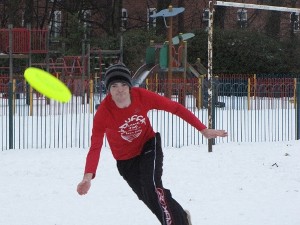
[(242, 18), (295, 22), (205, 18), (124, 18), (151, 21), (86, 16), (205, 15), (55, 24)]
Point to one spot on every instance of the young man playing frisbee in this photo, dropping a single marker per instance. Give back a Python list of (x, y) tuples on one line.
[(122, 116)]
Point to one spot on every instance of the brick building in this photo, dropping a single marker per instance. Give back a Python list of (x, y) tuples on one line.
[(138, 14), (195, 15)]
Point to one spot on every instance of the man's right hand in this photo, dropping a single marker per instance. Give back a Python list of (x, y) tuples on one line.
[(84, 186)]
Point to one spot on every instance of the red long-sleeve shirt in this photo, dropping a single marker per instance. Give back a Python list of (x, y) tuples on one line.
[(127, 129)]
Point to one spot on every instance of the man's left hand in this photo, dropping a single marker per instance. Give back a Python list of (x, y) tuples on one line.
[(212, 133)]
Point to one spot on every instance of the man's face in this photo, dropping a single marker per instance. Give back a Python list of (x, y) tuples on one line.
[(120, 92)]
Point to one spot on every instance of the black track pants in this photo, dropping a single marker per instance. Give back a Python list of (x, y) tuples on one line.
[(143, 174)]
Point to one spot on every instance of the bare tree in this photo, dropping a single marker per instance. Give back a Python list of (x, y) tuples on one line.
[(28, 11), (181, 17), (274, 19), (3, 15), (160, 25), (11, 13)]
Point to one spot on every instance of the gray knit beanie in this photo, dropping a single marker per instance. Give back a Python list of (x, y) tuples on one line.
[(117, 73)]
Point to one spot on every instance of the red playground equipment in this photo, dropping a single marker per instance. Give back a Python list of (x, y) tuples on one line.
[(17, 49), (19, 44), (24, 41), (24, 47)]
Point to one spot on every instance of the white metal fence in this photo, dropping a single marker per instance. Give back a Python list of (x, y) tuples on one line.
[(247, 118)]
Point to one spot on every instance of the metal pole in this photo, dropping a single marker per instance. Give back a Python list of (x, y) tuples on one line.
[(209, 71), (83, 70), (29, 47), (47, 59), (29, 64), (47, 50), (83, 54), (170, 58), (298, 109), (121, 46), (10, 99), (256, 6), (88, 55)]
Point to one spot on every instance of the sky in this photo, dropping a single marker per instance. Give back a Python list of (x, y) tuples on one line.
[(236, 184)]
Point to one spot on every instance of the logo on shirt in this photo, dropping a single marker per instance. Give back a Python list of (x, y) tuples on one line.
[(132, 128)]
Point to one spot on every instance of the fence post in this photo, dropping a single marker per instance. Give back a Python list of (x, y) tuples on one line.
[(213, 105), (91, 100), (30, 101), (14, 84), (249, 93), (297, 102), (210, 68), (10, 86), (199, 98), (295, 93)]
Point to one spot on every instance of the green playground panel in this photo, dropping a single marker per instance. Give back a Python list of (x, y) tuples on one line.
[(150, 55), (163, 57)]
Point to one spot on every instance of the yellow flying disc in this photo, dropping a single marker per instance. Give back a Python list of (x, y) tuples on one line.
[(47, 84)]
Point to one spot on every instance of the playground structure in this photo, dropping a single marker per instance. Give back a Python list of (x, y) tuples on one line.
[(84, 73), (181, 78), (173, 67), (23, 43), (185, 81), (24, 47), (152, 73)]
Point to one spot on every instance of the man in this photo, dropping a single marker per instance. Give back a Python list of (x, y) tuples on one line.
[(122, 116)]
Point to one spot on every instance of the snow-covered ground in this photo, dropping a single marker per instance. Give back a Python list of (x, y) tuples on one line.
[(236, 184)]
